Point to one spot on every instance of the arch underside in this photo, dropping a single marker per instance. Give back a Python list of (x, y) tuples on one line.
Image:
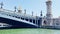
[(16, 24)]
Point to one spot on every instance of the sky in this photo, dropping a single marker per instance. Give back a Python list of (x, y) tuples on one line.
[(33, 5)]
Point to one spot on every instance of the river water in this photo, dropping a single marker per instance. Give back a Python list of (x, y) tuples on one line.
[(29, 31)]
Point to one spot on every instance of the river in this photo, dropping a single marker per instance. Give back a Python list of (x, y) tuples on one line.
[(29, 31)]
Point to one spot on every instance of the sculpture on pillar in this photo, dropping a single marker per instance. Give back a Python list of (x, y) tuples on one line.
[(1, 4), (15, 8), (32, 13), (41, 13), (25, 11)]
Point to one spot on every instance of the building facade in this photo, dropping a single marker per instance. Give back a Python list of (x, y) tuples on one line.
[(48, 20)]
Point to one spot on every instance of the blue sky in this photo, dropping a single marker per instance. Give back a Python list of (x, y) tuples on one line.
[(33, 5)]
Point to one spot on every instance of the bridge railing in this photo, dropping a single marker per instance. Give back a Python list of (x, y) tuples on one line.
[(33, 20)]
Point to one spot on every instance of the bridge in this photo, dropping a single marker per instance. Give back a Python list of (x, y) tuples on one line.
[(19, 20)]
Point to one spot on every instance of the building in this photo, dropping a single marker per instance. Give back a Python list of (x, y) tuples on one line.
[(48, 20)]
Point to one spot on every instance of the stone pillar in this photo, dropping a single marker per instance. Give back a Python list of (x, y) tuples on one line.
[(49, 14)]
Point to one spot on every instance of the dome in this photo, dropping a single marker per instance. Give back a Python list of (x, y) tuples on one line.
[(49, 0), (19, 8)]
